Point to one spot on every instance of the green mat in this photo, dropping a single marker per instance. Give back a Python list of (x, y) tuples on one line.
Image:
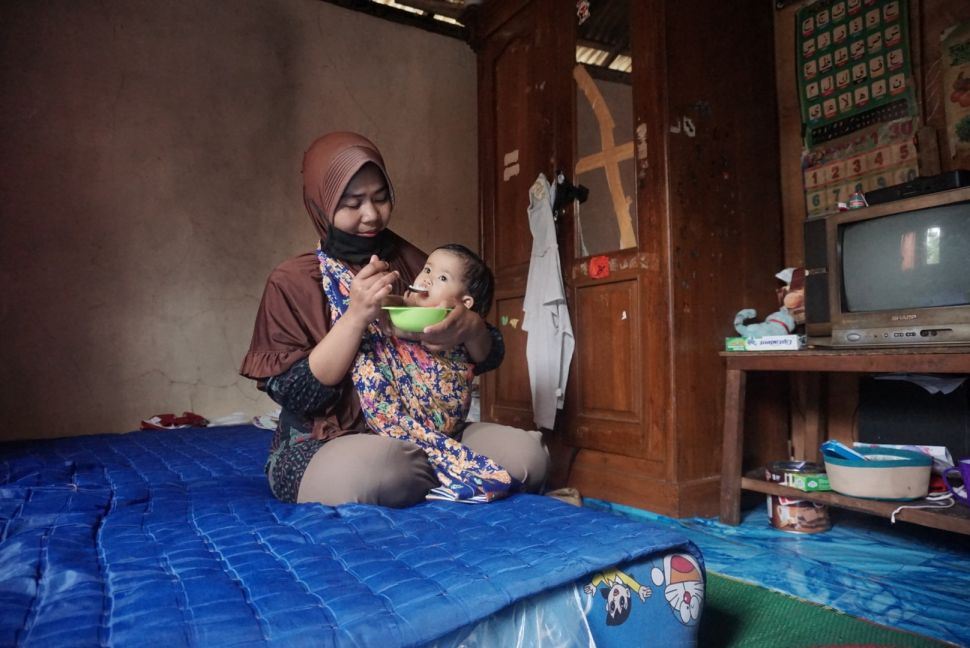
[(739, 614)]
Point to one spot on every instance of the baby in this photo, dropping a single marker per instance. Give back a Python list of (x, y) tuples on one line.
[(439, 383), (434, 387), (453, 275)]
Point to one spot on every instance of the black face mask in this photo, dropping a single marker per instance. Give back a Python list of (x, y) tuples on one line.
[(357, 249)]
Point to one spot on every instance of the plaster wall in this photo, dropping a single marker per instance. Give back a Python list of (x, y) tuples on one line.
[(150, 181)]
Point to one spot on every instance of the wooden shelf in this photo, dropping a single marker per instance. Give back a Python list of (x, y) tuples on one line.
[(955, 518), (949, 360), (954, 359)]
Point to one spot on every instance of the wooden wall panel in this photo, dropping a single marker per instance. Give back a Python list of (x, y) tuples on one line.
[(725, 205), (933, 18), (789, 136)]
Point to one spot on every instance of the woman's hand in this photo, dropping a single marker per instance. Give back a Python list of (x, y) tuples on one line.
[(333, 356), (461, 326), (368, 290)]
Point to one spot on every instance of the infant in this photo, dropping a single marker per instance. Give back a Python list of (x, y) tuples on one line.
[(453, 275), (439, 384)]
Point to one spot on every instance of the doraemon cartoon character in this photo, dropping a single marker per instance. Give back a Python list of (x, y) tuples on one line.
[(683, 586)]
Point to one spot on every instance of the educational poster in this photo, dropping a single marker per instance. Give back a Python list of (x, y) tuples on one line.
[(854, 66), (880, 156), (857, 99), (955, 59)]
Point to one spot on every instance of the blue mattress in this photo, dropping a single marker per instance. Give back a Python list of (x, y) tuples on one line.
[(172, 537)]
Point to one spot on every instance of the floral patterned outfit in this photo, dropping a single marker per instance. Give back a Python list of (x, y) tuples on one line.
[(408, 393)]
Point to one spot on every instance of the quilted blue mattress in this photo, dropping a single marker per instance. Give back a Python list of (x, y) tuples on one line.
[(173, 538)]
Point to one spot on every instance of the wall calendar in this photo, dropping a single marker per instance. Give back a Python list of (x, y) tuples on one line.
[(858, 104), (880, 156)]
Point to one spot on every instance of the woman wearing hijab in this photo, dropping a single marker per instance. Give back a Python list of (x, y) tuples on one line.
[(349, 428)]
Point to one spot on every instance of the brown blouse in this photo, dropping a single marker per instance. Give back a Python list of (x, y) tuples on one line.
[(294, 315)]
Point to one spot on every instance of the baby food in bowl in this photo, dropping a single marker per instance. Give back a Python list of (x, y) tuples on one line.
[(415, 318)]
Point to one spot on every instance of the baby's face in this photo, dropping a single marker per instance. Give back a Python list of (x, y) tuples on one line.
[(443, 278)]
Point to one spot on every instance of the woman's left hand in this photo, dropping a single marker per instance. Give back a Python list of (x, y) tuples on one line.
[(461, 326)]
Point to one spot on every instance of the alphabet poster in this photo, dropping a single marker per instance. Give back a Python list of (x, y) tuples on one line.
[(854, 66), (857, 99)]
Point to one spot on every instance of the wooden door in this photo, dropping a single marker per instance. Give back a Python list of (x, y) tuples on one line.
[(520, 112), (527, 125), (617, 402)]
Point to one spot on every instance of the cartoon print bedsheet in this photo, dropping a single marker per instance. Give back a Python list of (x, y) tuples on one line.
[(172, 537)]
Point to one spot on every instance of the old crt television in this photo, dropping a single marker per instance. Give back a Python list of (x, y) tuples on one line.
[(895, 274)]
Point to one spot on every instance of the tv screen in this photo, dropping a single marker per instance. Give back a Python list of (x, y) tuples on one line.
[(915, 259)]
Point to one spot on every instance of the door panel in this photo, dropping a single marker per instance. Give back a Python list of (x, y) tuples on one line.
[(618, 396), (606, 412), (606, 315)]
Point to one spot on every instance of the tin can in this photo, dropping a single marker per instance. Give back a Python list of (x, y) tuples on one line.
[(792, 514)]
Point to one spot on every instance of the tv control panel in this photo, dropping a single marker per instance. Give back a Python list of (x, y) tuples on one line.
[(902, 336)]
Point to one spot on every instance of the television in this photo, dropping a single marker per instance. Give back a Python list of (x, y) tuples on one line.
[(894, 275)]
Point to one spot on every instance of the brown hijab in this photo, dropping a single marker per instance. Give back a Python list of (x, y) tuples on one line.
[(328, 166), (294, 313)]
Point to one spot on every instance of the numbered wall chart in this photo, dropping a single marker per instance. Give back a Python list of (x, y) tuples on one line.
[(879, 156), (856, 96)]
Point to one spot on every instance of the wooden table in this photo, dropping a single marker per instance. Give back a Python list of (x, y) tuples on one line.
[(817, 362)]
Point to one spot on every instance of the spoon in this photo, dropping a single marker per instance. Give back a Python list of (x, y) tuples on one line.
[(414, 288)]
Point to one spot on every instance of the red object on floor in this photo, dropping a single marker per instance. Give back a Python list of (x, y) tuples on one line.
[(171, 421)]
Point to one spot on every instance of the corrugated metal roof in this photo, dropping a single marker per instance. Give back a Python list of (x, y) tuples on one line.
[(603, 39)]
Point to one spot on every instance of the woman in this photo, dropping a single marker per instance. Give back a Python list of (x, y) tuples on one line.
[(316, 351)]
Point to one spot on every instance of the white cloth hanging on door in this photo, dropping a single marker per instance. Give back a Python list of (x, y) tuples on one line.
[(550, 342)]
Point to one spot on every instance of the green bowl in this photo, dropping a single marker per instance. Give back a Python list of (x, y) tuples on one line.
[(415, 318)]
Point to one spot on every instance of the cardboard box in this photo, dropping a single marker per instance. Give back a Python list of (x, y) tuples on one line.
[(765, 343), (735, 344), (808, 482)]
